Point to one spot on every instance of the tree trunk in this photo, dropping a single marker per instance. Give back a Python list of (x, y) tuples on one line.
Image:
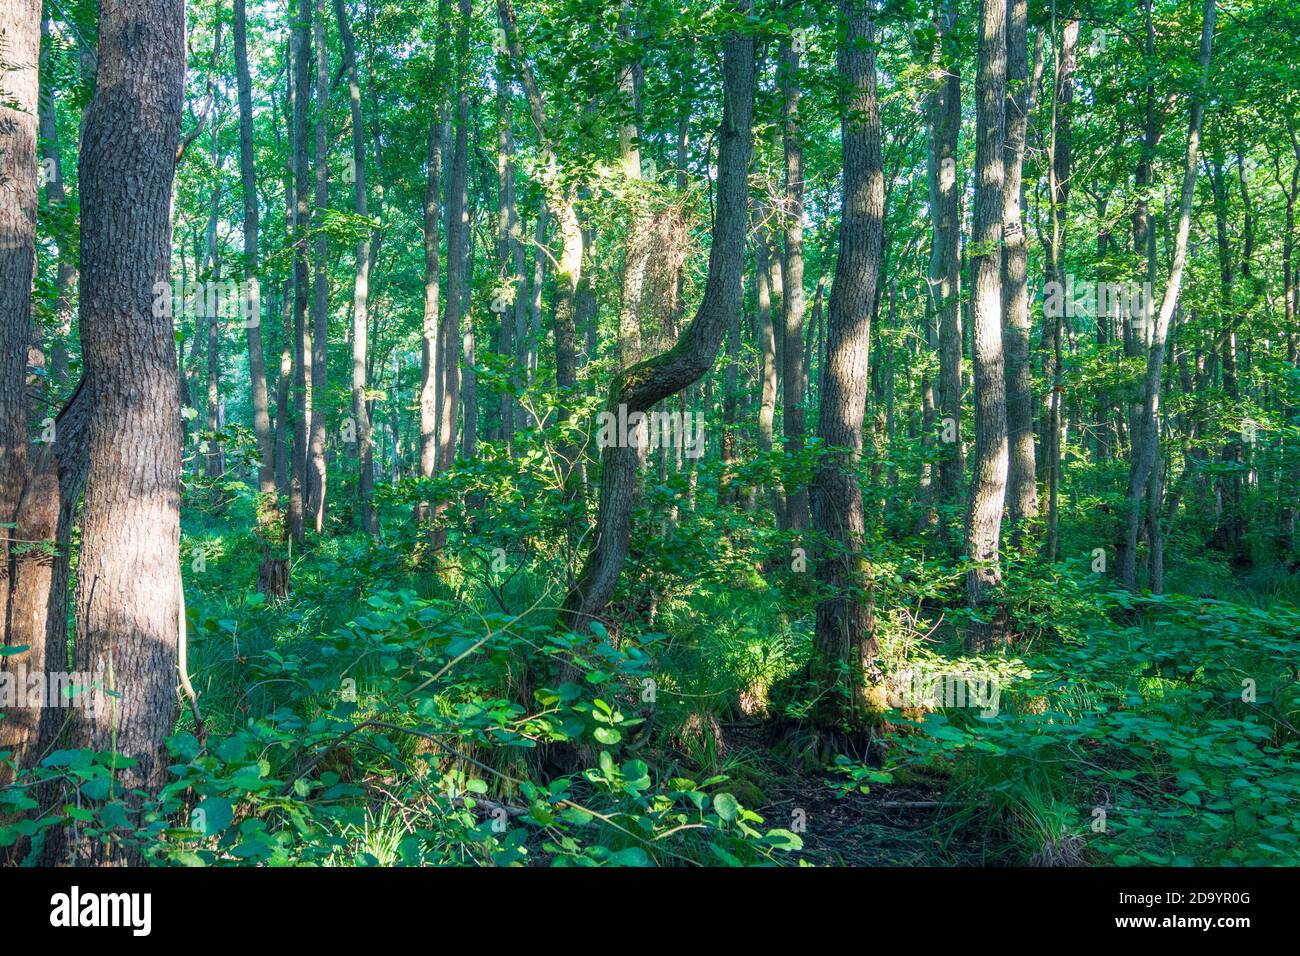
[(19, 83), (301, 224), (792, 299), (320, 307), (644, 385), (989, 484), (449, 333), (128, 575), (1058, 197), (508, 291), (1146, 440), (360, 286), (253, 291), (767, 353), (944, 116), (429, 358), (845, 648), (1022, 489)]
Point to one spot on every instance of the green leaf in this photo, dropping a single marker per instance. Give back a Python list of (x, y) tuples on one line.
[(726, 806)]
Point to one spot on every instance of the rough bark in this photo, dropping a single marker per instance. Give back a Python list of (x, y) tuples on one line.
[(128, 576), (792, 299), (944, 120), (19, 84), (845, 648), (1022, 488), (989, 482)]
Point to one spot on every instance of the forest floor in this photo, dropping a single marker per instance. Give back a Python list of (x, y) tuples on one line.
[(896, 824)]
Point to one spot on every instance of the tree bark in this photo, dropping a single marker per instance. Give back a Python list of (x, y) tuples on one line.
[(1058, 197), (844, 646), (792, 299), (360, 287), (449, 332), (1146, 441), (944, 118), (320, 307), (1022, 488), (644, 385), (252, 270), (128, 575), (19, 87), (430, 369), (301, 223), (988, 489)]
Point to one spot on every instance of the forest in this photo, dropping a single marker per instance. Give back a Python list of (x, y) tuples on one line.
[(670, 433)]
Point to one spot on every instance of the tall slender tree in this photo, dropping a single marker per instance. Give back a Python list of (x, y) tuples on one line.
[(844, 647)]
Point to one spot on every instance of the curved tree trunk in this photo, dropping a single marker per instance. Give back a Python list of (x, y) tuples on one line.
[(642, 386)]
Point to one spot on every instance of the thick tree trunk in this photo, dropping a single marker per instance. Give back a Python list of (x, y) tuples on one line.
[(128, 574), (989, 484), (20, 28), (845, 650)]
